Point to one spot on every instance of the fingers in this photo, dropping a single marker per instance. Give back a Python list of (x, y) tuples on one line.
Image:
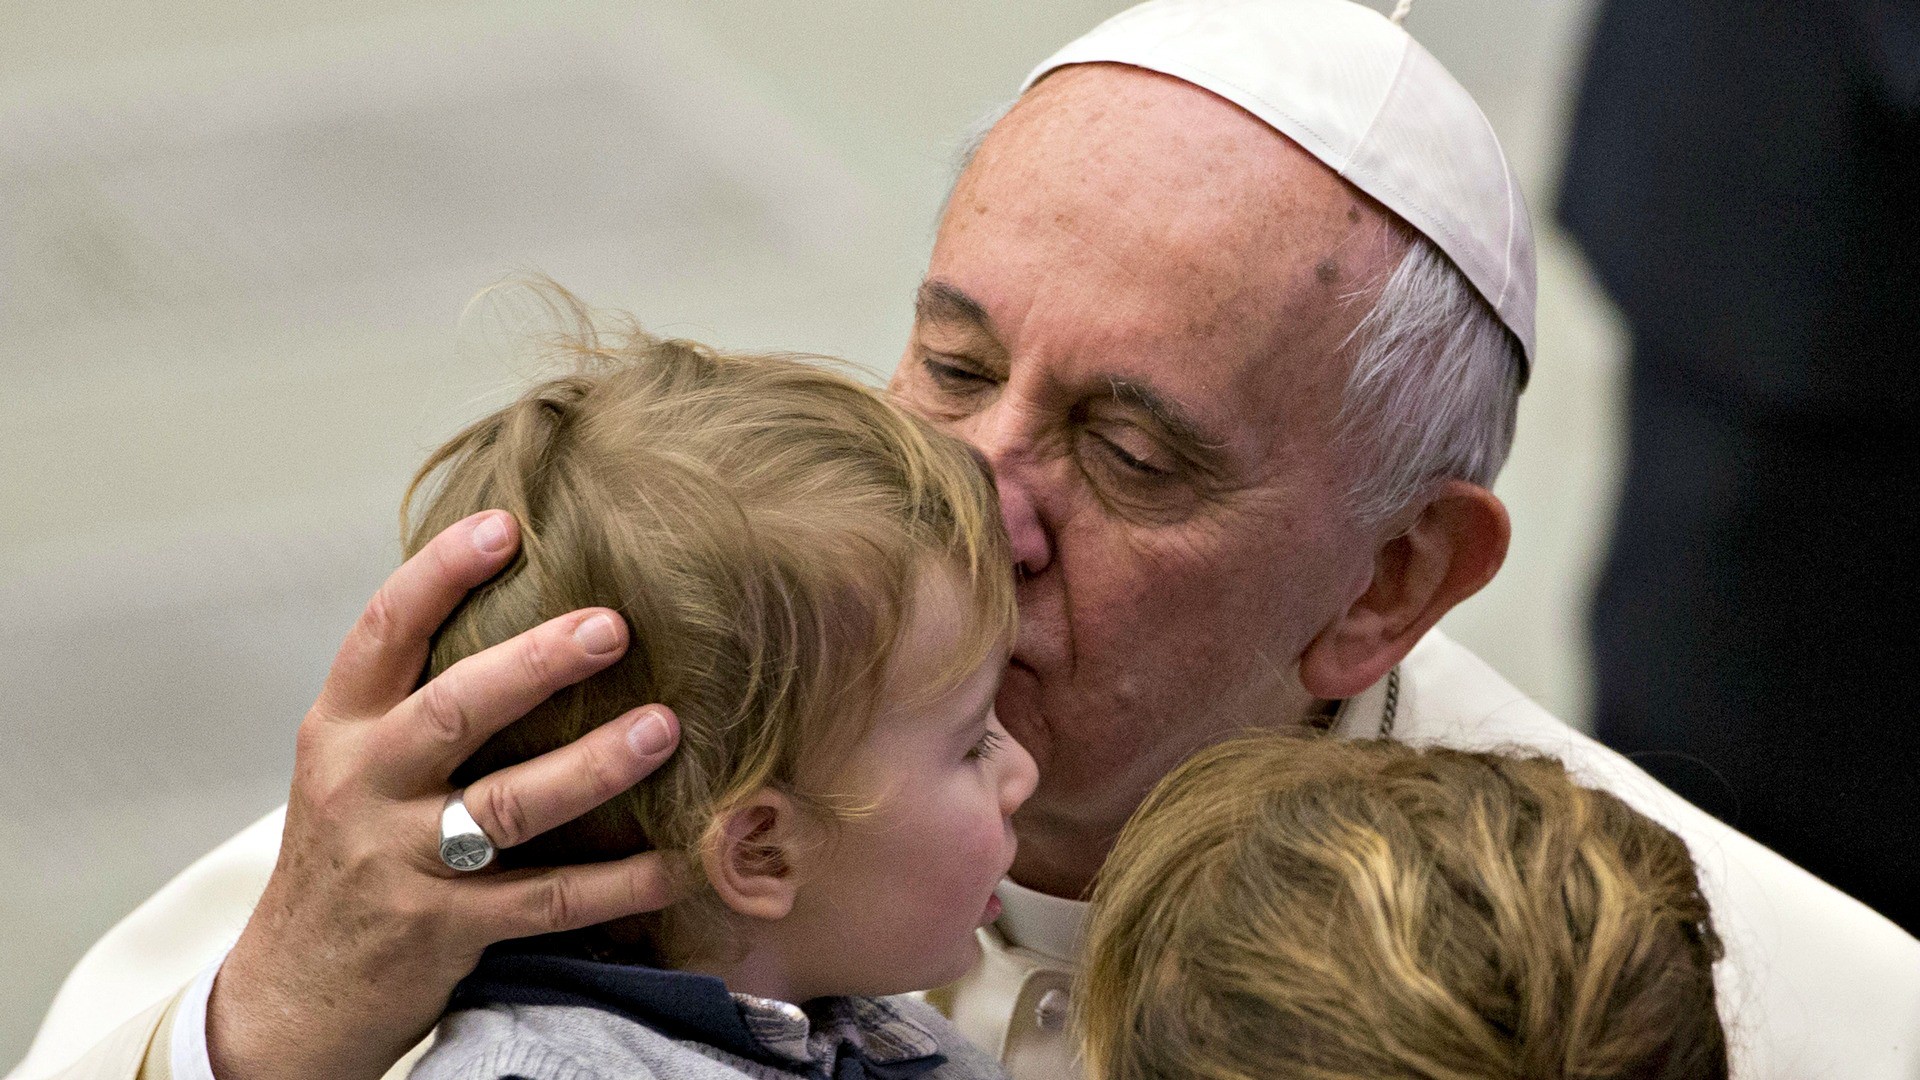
[(519, 803), (423, 740), (525, 903), (380, 661)]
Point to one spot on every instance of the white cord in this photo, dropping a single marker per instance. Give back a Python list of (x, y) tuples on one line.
[(1400, 12)]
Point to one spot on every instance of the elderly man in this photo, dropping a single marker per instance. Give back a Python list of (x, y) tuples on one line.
[(1237, 300)]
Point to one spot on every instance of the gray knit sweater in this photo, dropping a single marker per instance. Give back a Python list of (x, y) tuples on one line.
[(538, 1017)]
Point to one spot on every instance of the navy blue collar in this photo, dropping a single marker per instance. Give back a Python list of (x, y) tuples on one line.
[(698, 1008)]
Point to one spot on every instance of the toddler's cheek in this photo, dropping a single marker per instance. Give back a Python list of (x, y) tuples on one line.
[(986, 847)]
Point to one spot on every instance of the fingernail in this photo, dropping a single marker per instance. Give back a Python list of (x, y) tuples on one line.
[(597, 635), (649, 734), (490, 535)]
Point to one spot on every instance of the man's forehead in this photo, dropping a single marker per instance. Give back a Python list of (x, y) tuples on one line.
[(1130, 174), (1138, 237), (1130, 135)]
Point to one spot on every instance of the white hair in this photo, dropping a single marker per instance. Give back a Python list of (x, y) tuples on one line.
[(967, 148), (1434, 387)]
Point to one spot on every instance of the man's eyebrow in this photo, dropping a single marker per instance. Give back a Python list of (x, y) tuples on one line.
[(942, 302), (1177, 421)]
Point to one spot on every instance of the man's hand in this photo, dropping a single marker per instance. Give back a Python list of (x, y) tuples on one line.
[(362, 932)]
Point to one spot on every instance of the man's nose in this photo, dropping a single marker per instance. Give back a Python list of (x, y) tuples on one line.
[(1032, 551), (996, 436)]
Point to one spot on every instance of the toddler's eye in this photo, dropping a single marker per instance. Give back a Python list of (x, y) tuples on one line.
[(982, 750)]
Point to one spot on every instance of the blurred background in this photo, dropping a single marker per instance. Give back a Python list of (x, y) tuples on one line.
[(236, 240)]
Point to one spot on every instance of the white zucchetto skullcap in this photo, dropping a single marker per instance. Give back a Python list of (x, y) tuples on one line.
[(1355, 91)]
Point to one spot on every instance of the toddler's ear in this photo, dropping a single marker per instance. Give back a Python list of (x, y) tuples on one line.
[(752, 859)]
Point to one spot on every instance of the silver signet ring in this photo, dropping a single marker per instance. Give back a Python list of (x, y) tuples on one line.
[(463, 844)]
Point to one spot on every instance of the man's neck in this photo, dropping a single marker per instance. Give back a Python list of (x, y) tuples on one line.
[(1060, 855)]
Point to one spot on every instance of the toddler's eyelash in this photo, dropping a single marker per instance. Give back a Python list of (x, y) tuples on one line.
[(989, 742)]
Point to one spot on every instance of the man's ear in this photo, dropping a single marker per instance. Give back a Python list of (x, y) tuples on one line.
[(752, 859), (1454, 544)]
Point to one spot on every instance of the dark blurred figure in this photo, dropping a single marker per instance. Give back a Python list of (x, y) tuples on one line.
[(1744, 178)]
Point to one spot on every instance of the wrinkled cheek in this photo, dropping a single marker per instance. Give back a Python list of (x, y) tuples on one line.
[(1131, 711), (1096, 755)]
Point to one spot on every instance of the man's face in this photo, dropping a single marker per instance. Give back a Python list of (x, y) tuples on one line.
[(1133, 310)]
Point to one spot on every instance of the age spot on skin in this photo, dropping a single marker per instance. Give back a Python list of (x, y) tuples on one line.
[(1328, 271), (1353, 214)]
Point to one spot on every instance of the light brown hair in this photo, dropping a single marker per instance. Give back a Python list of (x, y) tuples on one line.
[(1286, 907), (760, 521)]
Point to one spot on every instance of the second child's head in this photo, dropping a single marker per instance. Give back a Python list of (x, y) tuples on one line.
[(819, 586), (1319, 909)]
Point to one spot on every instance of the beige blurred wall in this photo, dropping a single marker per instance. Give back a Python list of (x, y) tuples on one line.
[(236, 240)]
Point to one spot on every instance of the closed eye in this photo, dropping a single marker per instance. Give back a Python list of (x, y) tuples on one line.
[(952, 376), (1138, 466), (990, 741)]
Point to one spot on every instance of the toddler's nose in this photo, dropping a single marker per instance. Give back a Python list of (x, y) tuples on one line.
[(1019, 779)]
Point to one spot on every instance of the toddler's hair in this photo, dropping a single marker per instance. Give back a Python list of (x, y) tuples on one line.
[(761, 523), (1286, 907)]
